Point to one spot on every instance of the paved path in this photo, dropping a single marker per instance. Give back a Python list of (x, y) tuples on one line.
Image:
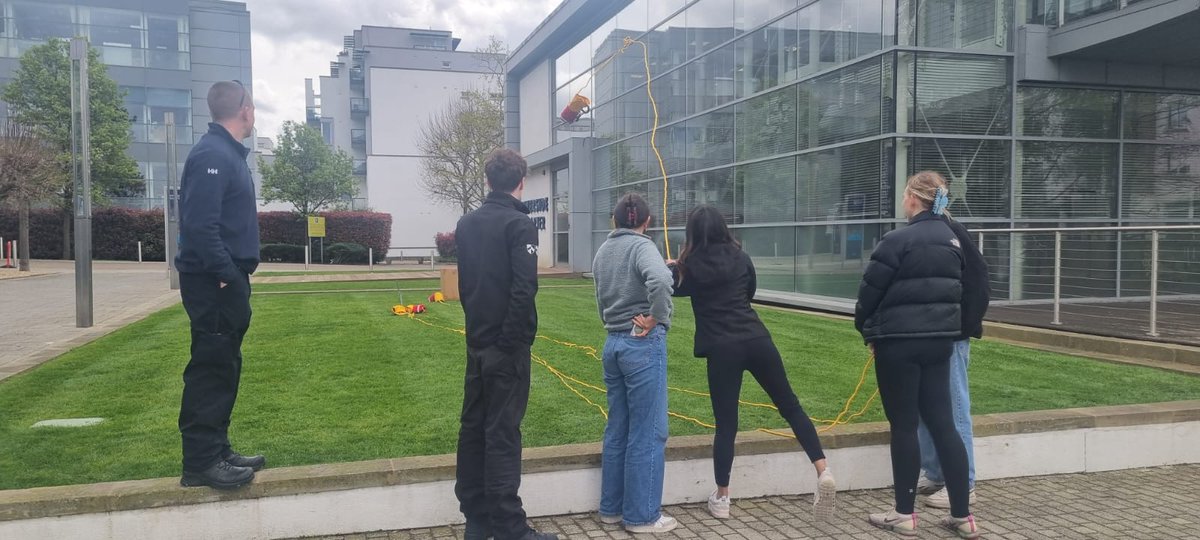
[(37, 314), (1144, 504)]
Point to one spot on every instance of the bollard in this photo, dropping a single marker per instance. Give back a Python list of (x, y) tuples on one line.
[(370, 259), (1057, 320), (307, 255), (139, 253), (1153, 285)]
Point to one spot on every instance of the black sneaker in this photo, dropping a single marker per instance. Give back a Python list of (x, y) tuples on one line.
[(477, 530), (534, 535), (254, 462), (219, 476)]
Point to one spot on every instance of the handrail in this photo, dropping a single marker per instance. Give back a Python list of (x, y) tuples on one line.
[(1093, 229)]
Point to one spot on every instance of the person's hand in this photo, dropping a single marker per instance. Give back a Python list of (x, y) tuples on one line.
[(871, 347), (671, 262), (645, 323), (223, 284)]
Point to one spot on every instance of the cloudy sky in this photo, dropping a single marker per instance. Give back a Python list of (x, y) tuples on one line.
[(296, 39)]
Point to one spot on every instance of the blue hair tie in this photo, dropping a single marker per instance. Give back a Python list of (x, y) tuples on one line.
[(940, 202)]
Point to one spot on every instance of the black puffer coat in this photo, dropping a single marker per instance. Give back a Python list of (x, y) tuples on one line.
[(721, 281), (912, 288)]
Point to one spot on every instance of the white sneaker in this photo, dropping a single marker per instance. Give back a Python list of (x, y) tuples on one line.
[(925, 486), (718, 506), (610, 520), (941, 499), (664, 524), (902, 524), (825, 499)]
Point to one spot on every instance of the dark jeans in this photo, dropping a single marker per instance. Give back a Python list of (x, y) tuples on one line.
[(495, 393), (914, 384), (220, 318), (725, 367)]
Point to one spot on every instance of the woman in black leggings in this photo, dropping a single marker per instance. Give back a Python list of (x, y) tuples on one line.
[(909, 313), (719, 276)]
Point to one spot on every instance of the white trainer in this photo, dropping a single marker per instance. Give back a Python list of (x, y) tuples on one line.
[(664, 524), (941, 499), (610, 520), (718, 506), (825, 499), (925, 486)]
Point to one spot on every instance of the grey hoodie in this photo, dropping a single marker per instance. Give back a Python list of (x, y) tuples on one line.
[(631, 279)]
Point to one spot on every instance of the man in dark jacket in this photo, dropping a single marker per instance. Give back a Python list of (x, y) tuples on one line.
[(975, 298), (218, 250), (497, 264)]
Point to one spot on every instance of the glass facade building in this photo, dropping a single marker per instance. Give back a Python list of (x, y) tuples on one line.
[(801, 120), (164, 54)]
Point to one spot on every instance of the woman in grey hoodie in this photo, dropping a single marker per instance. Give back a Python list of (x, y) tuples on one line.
[(633, 292)]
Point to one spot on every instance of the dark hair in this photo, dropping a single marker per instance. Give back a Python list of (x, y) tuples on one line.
[(505, 169), (631, 212), (705, 228), (226, 99)]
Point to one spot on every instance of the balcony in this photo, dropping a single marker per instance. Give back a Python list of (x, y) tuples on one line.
[(358, 138), (313, 116), (357, 77), (360, 167), (360, 106), (1124, 31)]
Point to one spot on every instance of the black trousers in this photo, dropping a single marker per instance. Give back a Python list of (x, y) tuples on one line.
[(220, 318), (760, 357), (914, 384), (495, 394)]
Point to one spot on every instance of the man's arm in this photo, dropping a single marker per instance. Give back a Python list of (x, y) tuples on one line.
[(876, 279), (202, 193), (658, 281), (522, 255)]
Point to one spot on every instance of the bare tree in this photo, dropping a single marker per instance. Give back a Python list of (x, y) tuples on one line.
[(456, 141), (29, 173)]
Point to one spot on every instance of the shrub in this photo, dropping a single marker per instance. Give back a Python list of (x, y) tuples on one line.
[(45, 231), (283, 253), (346, 253), (446, 246), (369, 229)]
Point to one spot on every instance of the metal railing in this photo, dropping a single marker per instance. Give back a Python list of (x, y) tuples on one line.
[(1129, 281)]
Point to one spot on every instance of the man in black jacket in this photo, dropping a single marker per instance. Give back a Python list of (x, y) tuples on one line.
[(497, 264), (218, 250)]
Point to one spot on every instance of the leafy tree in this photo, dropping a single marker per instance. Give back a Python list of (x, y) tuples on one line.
[(39, 96), (29, 174), (307, 173)]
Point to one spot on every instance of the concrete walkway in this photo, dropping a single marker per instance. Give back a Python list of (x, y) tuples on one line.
[(1140, 503), (37, 314)]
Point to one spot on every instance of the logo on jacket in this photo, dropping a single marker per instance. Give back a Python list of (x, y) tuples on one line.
[(955, 243), (213, 171), (531, 248)]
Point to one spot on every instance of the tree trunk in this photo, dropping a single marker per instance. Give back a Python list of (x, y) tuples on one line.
[(66, 228), (23, 236)]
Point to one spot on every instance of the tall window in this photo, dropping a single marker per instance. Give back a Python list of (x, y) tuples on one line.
[(562, 216)]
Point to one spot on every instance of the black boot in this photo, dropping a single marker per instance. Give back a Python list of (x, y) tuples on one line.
[(478, 529), (254, 462), (219, 476), (534, 535)]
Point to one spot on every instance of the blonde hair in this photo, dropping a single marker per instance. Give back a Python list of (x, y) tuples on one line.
[(924, 185)]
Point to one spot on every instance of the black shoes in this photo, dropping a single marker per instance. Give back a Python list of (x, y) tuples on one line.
[(477, 530), (534, 535), (253, 462), (219, 476)]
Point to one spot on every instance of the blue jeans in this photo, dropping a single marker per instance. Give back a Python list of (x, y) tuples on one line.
[(960, 401), (635, 439)]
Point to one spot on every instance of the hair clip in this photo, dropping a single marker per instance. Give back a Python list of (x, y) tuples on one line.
[(940, 201)]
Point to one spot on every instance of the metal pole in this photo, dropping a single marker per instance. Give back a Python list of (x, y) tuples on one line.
[(82, 160), (172, 207), (307, 254), (1057, 278), (1154, 284), (370, 259), (139, 252)]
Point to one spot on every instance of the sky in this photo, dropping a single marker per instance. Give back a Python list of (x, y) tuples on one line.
[(296, 39)]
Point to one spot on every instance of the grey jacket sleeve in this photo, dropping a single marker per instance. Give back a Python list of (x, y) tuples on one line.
[(658, 281)]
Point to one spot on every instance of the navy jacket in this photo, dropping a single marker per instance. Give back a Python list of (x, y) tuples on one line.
[(722, 282), (912, 288), (976, 286), (497, 273), (218, 213)]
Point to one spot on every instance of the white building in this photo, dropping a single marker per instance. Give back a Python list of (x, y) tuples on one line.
[(381, 90)]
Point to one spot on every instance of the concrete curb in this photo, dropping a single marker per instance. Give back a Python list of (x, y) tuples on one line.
[(53, 502)]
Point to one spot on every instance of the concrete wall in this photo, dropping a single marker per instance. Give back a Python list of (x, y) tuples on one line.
[(402, 101), (538, 185), (535, 109)]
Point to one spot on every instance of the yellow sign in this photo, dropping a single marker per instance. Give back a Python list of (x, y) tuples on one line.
[(316, 227)]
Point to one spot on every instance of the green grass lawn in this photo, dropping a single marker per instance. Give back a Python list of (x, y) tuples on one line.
[(337, 377), (365, 270)]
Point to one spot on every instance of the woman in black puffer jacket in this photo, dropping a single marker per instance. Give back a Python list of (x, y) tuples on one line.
[(720, 278), (909, 313)]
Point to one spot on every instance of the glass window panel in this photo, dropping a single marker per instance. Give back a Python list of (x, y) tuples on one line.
[(766, 192), (960, 24), (41, 22), (708, 26), (1067, 112), (773, 250), (750, 14), (1163, 117), (841, 183), (847, 29), (562, 248), (710, 80), (845, 105), (116, 28), (714, 188), (634, 18), (668, 44), (574, 62), (1161, 182), (563, 96), (606, 161), (978, 173), (1062, 180), (766, 125), (830, 258), (767, 57), (709, 139), (956, 94), (659, 10)]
